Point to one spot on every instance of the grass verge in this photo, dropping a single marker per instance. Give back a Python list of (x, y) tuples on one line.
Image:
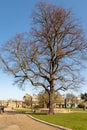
[(21, 110), (75, 121)]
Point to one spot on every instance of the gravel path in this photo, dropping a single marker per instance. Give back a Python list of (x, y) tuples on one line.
[(14, 121)]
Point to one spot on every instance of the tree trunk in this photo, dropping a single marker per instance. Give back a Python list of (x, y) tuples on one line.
[(51, 101)]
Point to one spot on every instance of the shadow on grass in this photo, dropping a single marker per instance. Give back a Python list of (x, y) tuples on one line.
[(38, 113)]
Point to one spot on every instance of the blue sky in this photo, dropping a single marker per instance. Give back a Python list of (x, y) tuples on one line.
[(15, 18)]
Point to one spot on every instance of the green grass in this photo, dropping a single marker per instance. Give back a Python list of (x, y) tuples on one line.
[(78, 109), (22, 110), (75, 121)]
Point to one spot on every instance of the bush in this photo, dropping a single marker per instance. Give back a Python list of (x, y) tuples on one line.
[(80, 106)]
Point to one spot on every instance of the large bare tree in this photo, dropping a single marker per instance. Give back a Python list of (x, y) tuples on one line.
[(51, 55)]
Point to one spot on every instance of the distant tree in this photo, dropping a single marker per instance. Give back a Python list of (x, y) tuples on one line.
[(43, 98), (84, 102), (84, 96), (71, 99), (51, 55), (27, 100), (59, 99)]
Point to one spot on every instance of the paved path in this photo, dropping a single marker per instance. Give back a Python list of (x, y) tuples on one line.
[(14, 121)]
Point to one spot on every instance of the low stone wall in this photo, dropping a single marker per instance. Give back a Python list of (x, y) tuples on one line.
[(56, 110), (61, 110), (44, 110)]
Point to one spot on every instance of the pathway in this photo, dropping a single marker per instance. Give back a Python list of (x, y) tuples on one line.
[(14, 121)]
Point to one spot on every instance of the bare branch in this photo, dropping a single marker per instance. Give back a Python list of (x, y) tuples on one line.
[(52, 56)]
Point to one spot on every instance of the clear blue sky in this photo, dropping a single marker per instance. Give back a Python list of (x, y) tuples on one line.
[(15, 18)]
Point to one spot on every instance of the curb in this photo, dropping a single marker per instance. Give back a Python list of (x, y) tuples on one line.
[(50, 124)]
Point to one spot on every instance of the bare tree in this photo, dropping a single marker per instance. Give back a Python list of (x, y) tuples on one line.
[(27, 100), (51, 57), (43, 98), (71, 100)]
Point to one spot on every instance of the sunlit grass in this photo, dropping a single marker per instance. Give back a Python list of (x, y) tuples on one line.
[(22, 110), (75, 121)]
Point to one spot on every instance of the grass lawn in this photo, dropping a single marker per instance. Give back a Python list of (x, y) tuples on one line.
[(75, 121), (22, 110)]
